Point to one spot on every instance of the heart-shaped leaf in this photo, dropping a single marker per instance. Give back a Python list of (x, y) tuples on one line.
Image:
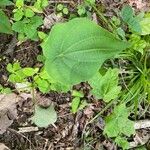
[(44, 116), (75, 50)]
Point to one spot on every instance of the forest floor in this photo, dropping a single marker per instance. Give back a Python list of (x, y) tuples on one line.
[(67, 133)]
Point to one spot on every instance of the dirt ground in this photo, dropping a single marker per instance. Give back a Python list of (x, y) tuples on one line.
[(67, 134)]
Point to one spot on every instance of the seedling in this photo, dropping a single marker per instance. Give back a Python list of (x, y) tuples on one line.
[(27, 22), (77, 102), (62, 10), (4, 90)]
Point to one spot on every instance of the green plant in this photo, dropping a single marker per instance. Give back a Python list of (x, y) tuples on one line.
[(77, 102), (128, 17), (4, 90), (106, 86), (81, 10), (145, 24), (138, 44), (50, 116), (27, 22), (118, 125), (91, 2), (84, 9), (62, 10), (19, 74), (79, 55)]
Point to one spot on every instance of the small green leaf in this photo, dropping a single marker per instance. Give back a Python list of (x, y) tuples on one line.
[(81, 10), (21, 37), (77, 94), (29, 71), (18, 14), (40, 5), (127, 15), (5, 26), (83, 104), (43, 117), (7, 90), (42, 35), (65, 11), (60, 7), (121, 33), (18, 27), (19, 3), (75, 104), (122, 142), (10, 68), (43, 85), (29, 13), (17, 77), (16, 66)]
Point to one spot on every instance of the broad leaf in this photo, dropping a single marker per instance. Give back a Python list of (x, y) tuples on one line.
[(118, 123), (127, 15), (5, 26), (106, 87), (75, 50), (44, 116)]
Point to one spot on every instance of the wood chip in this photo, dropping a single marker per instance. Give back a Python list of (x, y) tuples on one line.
[(28, 129), (142, 124)]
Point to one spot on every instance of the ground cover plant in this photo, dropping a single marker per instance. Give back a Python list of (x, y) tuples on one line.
[(74, 74)]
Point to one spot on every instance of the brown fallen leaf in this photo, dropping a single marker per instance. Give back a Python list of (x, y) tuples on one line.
[(51, 19), (8, 111)]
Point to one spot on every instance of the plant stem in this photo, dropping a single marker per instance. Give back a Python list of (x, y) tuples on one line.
[(102, 17), (101, 112)]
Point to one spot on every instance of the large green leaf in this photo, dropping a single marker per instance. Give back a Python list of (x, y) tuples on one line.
[(5, 26), (75, 50), (5, 3)]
